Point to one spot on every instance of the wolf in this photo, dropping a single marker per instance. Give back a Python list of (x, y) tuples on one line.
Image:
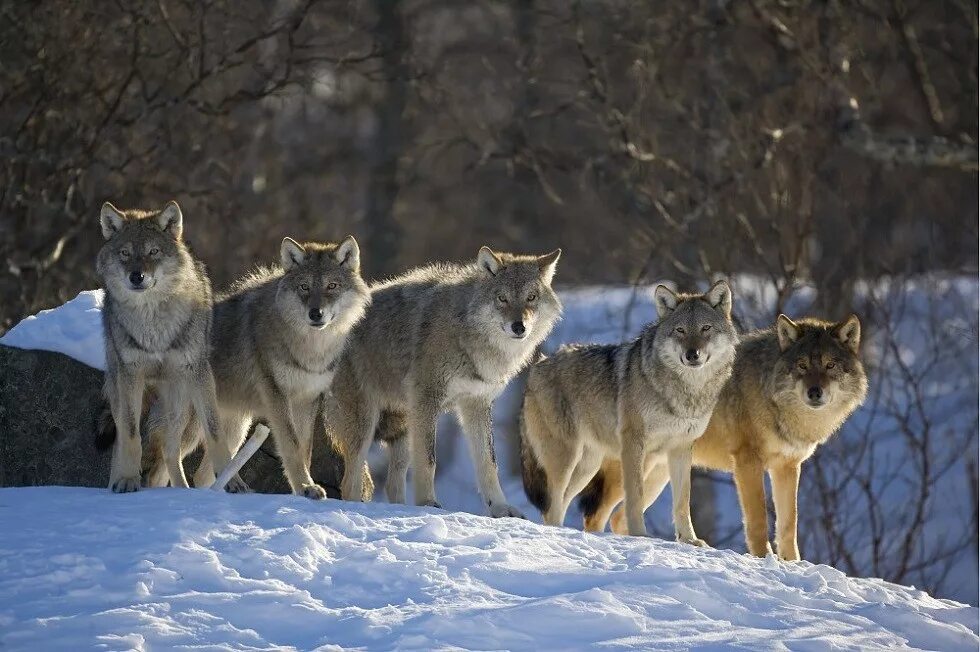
[(438, 338), (792, 386), (278, 333), (642, 402), (157, 324)]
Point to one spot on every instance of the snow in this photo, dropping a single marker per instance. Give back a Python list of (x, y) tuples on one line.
[(165, 568), (74, 329)]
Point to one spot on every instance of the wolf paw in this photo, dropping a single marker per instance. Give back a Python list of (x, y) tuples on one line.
[(237, 486), (431, 503), (501, 510), (698, 543), (125, 485), (314, 492)]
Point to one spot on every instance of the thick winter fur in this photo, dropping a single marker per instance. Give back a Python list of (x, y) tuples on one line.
[(278, 334), (443, 337), (792, 387), (157, 321), (643, 402)]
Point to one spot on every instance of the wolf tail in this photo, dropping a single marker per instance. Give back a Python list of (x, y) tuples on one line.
[(532, 473), (591, 497), (105, 427)]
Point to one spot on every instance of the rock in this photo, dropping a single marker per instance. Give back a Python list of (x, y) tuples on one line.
[(49, 406)]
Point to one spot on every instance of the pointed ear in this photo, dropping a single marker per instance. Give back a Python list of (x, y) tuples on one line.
[(488, 261), (665, 299), (720, 298), (291, 253), (787, 331), (348, 253), (171, 220), (111, 219), (547, 264), (848, 333)]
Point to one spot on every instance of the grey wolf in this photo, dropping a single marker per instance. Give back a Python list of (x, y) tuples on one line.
[(157, 323), (439, 338), (278, 333), (792, 387), (642, 403)]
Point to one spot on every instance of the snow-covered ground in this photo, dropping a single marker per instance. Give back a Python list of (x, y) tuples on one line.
[(162, 569)]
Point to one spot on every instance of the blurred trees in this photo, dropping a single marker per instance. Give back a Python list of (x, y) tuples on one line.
[(822, 140)]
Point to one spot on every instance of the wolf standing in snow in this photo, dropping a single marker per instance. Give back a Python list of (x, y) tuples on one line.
[(638, 402), (157, 322), (277, 336), (792, 386), (442, 337)]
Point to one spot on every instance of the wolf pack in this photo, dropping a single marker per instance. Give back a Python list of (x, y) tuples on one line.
[(306, 345)]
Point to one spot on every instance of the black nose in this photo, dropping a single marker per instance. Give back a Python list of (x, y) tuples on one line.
[(692, 355), (136, 278), (814, 393), (518, 328), (316, 314)]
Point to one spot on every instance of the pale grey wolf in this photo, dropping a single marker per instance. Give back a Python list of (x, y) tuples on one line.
[(792, 386), (642, 402), (157, 322), (438, 338)]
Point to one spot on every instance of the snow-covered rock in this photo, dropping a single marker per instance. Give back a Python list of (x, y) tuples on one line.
[(87, 569)]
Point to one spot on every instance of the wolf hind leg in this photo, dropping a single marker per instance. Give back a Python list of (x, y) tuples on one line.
[(474, 416), (399, 458)]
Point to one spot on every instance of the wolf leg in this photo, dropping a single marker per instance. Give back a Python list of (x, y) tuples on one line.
[(752, 498), (679, 464), (422, 430), (220, 445), (292, 428), (611, 495), (126, 403), (474, 416), (632, 458), (785, 484), (653, 486), (399, 457), (176, 415), (351, 424)]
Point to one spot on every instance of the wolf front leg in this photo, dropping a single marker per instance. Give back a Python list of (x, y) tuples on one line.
[(474, 416), (679, 463), (125, 393), (633, 456), (748, 473), (292, 429), (422, 430), (785, 484)]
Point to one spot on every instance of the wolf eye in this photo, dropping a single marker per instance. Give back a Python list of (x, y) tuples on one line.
[(831, 365), (532, 297), (501, 298), (680, 330), (802, 365), (331, 286), (154, 251), (304, 287), (706, 328), (124, 253)]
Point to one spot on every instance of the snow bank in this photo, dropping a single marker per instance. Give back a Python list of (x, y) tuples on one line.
[(84, 568), (74, 329)]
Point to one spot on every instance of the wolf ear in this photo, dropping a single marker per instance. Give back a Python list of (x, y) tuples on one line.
[(488, 261), (665, 299), (348, 253), (787, 331), (171, 220), (720, 298), (547, 264), (848, 333), (291, 253), (111, 219)]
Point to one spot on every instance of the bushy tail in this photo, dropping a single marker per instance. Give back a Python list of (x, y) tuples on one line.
[(533, 475), (591, 497), (105, 427)]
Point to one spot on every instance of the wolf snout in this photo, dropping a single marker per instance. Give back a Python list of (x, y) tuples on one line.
[(316, 317), (518, 328), (694, 358), (136, 280), (815, 396)]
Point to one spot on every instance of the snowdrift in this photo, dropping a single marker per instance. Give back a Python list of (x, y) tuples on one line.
[(84, 568)]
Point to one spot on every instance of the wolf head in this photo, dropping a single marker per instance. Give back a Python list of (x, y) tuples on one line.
[(514, 299), (695, 330), (819, 364), (321, 285), (144, 255)]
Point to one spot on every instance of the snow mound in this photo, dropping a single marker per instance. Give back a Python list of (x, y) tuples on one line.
[(74, 328), (84, 568)]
